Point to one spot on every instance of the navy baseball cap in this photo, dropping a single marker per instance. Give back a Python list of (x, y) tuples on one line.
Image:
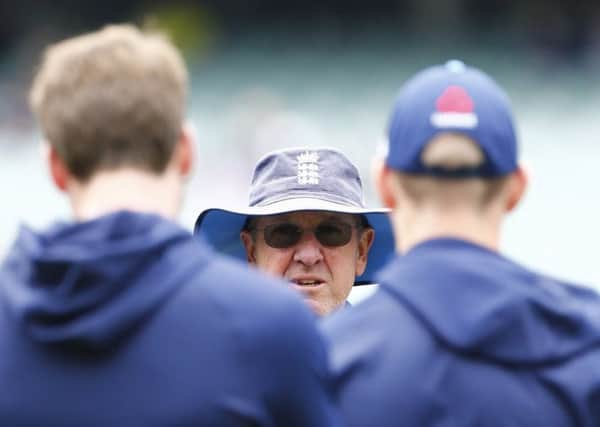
[(452, 98), (300, 179)]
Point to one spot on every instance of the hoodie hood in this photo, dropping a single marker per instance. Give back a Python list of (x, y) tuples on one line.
[(91, 282), (480, 303)]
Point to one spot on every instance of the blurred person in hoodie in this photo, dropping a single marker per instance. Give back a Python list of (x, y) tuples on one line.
[(121, 317), (457, 334)]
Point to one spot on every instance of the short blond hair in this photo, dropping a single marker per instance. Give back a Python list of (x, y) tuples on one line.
[(452, 151), (111, 98)]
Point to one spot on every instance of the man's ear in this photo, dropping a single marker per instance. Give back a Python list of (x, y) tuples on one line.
[(517, 186), (58, 170), (248, 243), (184, 151), (384, 183), (364, 244)]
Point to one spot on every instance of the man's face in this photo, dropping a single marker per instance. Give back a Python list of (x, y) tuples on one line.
[(321, 253)]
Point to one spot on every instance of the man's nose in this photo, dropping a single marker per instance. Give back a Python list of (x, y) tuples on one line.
[(308, 250)]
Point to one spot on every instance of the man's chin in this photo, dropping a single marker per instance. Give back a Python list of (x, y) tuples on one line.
[(315, 307), (318, 299), (319, 308)]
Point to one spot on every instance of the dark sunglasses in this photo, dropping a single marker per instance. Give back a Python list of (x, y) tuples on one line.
[(286, 234)]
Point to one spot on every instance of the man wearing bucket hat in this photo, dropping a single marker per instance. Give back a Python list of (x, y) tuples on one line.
[(306, 221), (457, 334)]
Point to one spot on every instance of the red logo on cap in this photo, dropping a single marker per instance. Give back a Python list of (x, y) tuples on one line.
[(454, 109), (454, 100)]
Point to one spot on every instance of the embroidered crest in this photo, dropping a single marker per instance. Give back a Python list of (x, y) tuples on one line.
[(308, 168), (454, 108)]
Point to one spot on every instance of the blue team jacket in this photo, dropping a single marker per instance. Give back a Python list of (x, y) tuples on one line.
[(127, 320), (458, 335)]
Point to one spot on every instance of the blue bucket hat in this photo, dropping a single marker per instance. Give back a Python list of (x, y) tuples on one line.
[(452, 98), (300, 179)]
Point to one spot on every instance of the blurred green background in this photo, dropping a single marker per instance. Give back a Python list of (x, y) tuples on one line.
[(268, 75)]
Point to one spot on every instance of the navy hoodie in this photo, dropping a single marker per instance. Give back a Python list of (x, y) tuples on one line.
[(127, 320), (458, 335)]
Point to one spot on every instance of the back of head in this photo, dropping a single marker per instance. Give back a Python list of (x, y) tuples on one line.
[(112, 98), (451, 136)]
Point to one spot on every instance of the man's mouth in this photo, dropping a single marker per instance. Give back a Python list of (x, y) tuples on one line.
[(307, 282)]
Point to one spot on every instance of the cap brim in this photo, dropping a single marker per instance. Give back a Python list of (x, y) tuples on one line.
[(221, 228)]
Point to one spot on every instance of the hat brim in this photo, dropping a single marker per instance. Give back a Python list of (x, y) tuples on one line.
[(221, 228)]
